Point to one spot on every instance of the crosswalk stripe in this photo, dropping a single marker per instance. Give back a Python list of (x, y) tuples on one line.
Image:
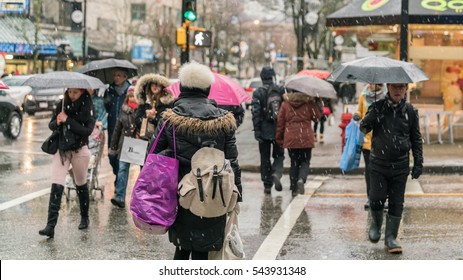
[(272, 245)]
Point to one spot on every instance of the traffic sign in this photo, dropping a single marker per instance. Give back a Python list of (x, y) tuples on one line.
[(202, 38)]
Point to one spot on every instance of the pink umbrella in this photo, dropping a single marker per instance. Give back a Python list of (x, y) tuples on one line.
[(224, 91), (3, 85)]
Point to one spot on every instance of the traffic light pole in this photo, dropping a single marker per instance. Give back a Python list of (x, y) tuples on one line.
[(185, 55)]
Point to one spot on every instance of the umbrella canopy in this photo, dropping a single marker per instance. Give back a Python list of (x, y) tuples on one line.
[(311, 86), (224, 91), (63, 79), (3, 85), (104, 69), (377, 70), (322, 74)]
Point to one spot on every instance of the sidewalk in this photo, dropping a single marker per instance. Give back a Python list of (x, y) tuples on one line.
[(438, 158)]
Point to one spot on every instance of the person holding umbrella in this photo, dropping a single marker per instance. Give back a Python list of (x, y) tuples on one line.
[(395, 126), (74, 118), (114, 97), (370, 93), (294, 132)]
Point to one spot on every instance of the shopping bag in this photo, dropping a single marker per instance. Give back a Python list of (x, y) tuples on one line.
[(350, 158), (133, 150), (154, 197), (232, 248), (146, 129)]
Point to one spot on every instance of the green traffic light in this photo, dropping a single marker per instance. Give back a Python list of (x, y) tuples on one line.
[(190, 15)]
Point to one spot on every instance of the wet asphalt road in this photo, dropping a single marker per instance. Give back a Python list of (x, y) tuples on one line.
[(328, 223)]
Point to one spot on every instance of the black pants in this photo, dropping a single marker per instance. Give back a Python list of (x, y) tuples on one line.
[(266, 167), (300, 163), (366, 158), (388, 183), (322, 125), (181, 254)]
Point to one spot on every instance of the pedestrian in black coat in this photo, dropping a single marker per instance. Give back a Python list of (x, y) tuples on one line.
[(396, 131), (264, 133), (197, 121)]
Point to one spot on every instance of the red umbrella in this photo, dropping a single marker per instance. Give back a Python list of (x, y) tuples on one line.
[(224, 91), (316, 73), (3, 85)]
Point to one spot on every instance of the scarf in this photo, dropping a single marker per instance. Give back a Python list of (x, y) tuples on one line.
[(370, 95)]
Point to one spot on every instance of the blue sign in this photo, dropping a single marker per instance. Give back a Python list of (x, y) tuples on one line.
[(27, 49), (14, 6), (142, 53)]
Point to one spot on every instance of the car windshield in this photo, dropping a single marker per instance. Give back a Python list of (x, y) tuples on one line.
[(14, 81)]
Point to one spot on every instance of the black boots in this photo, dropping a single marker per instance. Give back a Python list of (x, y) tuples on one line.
[(390, 241), (375, 226), (53, 210), (84, 199)]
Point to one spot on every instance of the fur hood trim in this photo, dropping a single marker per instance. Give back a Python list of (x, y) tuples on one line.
[(297, 97), (146, 79), (191, 126), (195, 75)]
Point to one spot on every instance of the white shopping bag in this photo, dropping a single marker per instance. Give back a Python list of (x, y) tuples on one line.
[(133, 150)]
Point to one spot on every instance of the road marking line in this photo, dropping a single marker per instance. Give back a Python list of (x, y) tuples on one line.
[(34, 195), (270, 248), (23, 199), (407, 194), (22, 152)]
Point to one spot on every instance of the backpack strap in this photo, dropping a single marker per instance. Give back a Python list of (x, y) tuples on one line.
[(200, 185)]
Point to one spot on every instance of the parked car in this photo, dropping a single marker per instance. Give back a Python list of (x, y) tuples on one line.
[(10, 116), (250, 87), (33, 99)]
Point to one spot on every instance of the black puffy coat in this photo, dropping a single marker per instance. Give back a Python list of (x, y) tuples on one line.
[(198, 121), (394, 134), (265, 127), (79, 124)]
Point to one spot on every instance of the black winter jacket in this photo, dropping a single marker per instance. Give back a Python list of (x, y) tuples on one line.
[(113, 103), (197, 121), (266, 128), (79, 124), (394, 134)]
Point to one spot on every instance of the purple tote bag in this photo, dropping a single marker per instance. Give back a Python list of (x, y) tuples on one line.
[(154, 196)]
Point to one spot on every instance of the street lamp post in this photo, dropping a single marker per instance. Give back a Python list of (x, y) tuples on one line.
[(84, 34)]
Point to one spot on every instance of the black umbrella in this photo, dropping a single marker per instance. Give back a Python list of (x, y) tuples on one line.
[(63, 79), (104, 69), (378, 70)]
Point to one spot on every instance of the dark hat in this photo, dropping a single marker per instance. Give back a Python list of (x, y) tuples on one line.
[(267, 74)]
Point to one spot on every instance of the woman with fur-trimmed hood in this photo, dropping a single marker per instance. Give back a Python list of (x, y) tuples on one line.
[(198, 122), (294, 132), (151, 89)]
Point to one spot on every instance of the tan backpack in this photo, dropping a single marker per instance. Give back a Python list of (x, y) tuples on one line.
[(209, 189)]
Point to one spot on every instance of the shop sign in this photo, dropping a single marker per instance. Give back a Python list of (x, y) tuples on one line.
[(14, 6), (370, 5), (443, 5), (142, 53), (27, 48)]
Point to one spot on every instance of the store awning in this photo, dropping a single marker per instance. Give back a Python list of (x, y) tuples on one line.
[(386, 12), (17, 36)]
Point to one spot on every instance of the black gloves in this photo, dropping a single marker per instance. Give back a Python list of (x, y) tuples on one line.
[(258, 136), (417, 171), (356, 117)]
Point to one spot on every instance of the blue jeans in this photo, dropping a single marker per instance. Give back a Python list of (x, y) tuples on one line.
[(122, 180)]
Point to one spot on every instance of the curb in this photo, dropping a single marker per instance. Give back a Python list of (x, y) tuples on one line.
[(428, 170)]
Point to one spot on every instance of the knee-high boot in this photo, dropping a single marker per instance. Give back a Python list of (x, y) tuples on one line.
[(84, 199), (374, 233), (392, 228), (53, 210)]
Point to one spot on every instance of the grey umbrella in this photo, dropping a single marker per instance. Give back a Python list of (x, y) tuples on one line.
[(377, 70), (104, 69), (311, 86), (63, 79)]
